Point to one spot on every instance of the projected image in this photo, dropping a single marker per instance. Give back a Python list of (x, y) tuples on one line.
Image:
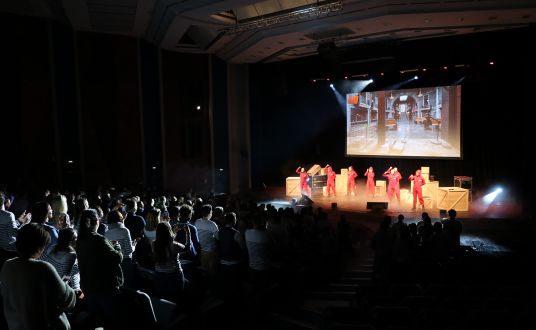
[(421, 122)]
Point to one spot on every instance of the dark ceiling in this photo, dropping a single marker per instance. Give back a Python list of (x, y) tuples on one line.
[(246, 31)]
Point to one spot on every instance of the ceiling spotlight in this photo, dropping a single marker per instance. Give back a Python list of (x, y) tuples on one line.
[(491, 63), (198, 107), (416, 77), (331, 85)]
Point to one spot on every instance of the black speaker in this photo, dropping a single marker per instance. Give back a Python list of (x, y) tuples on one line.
[(305, 200), (377, 205)]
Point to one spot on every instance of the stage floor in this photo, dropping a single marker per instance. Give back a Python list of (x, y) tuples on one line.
[(498, 227), (358, 203)]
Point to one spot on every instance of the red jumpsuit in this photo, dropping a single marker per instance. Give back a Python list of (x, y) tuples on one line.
[(350, 186), (393, 187), (371, 187), (418, 182), (304, 182), (331, 181)]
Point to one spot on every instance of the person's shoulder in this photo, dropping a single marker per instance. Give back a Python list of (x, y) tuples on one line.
[(6, 213), (41, 265)]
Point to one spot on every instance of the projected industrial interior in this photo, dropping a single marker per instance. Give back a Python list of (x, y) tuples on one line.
[(420, 122)]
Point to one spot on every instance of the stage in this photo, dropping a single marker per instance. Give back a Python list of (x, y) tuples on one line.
[(503, 207), (497, 227)]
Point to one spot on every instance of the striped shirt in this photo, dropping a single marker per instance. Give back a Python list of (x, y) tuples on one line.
[(173, 264), (118, 232), (66, 265), (8, 230)]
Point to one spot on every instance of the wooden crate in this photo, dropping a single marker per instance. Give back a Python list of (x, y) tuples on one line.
[(381, 187), (340, 184), (428, 203), (406, 196), (425, 170), (428, 190), (453, 198), (293, 186), (314, 170)]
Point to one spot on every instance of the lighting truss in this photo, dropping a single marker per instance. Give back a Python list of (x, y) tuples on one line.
[(309, 13)]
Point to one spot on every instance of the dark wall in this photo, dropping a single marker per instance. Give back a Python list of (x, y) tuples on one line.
[(82, 110), (109, 98), (186, 129), (28, 154), (298, 122)]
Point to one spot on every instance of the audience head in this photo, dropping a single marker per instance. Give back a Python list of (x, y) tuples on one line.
[(114, 216), (230, 219), (32, 239), (206, 211), (66, 240), (218, 212), (131, 205), (41, 212), (81, 204), (153, 219), (185, 213), (59, 204), (164, 232), (89, 222), (259, 223), (3, 200), (386, 222), (452, 213), (173, 212)]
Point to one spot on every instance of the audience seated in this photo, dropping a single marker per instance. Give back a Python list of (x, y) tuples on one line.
[(34, 295)]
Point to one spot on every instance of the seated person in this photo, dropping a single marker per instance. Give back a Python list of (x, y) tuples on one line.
[(427, 122)]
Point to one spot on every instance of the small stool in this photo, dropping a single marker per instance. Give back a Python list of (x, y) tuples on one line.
[(378, 191)]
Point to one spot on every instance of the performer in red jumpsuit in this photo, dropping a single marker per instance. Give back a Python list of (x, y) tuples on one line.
[(304, 181), (331, 180), (393, 176), (418, 182), (350, 186), (371, 187)]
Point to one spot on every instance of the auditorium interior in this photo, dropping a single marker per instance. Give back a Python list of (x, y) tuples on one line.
[(161, 111)]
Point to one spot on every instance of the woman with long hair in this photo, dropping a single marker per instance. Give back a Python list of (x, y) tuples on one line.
[(169, 277)]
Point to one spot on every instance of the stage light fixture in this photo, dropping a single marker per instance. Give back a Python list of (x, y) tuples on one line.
[(416, 77), (489, 198), (331, 85), (314, 11), (198, 107)]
